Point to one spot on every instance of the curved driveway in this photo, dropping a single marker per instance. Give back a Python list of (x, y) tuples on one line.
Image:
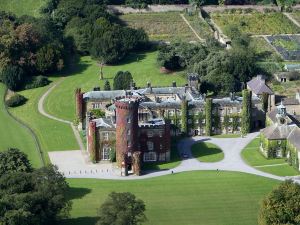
[(43, 112)]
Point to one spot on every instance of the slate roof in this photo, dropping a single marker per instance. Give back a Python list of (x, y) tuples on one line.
[(104, 122), (104, 94), (275, 132), (258, 86), (290, 101)]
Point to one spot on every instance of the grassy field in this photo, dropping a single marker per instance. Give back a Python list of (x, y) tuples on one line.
[(296, 16), (193, 198), (288, 89), (207, 152), (53, 135), (165, 26), (253, 157), (200, 25), (142, 66), (13, 135), (22, 7), (257, 23), (226, 136), (263, 50)]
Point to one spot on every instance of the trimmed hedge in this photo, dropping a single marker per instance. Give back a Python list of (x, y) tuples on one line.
[(15, 100)]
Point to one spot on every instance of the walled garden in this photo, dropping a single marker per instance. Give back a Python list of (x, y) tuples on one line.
[(288, 46), (256, 23), (165, 26)]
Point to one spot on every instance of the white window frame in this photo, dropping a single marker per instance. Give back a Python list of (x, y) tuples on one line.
[(96, 105), (150, 156), (105, 153), (105, 136)]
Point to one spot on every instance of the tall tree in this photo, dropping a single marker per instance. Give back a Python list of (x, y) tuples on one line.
[(282, 205), (122, 80), (13, 160), (107, 86), (122, 209), (12, 76), (32, 198)]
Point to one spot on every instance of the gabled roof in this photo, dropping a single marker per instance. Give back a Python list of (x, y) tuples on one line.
[(104, 122), (258, 86), (277, 132)]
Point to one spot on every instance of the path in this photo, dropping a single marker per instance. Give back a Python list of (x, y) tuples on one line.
[(194, 31), (232, 148), (288, 15), (43, 112)]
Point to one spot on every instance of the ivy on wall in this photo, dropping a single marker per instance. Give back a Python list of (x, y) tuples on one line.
[(208, 116), (246, 112), (184, 112)]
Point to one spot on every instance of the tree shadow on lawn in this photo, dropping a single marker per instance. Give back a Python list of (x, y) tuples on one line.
[(201, 149), (132, 57), (79, 221), (75, 67), (77, 193)]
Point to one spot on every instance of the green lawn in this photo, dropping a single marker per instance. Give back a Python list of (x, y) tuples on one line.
[(14, 135), (296, 16), (53, 135), (226, 136), (22, 7), (257, 23), (165, 26), (143, 68), (253, 157), (200, 25), (263, 50), (207, 152), (193, 198)]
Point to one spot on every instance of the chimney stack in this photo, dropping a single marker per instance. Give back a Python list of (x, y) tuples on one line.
[(174, 84)]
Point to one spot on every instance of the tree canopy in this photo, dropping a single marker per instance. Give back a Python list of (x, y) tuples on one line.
[(122, 209), (13, 160), (282, 205), (30, 196), (122, 80)]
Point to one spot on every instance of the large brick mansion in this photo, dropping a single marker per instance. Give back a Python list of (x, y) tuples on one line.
[(138, 123)]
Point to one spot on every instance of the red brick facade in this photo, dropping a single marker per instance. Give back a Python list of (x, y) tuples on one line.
[(92, 141), (79, 104), (126, 129)]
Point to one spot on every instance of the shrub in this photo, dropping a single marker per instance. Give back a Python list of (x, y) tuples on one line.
[(16, 100), (12, 76), (281, 206), (39, 81), (98, 113)]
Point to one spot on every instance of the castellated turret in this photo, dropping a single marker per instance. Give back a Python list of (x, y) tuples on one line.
[(127, 129)]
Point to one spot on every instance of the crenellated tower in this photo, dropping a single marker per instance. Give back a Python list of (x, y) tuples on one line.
[(127, 129)]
